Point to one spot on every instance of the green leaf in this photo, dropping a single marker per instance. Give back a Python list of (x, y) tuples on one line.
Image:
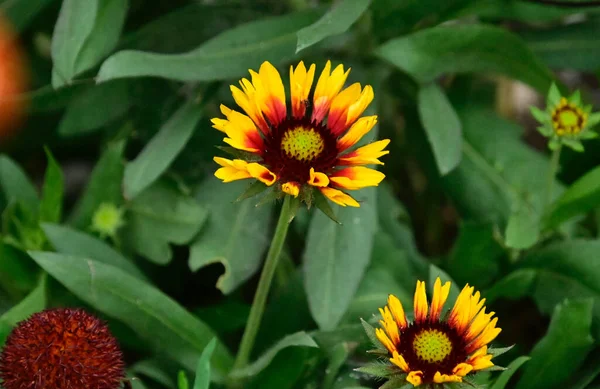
[(226, 317), (104, 186), (202, 380), (567, 46), (299, 339), (228, 55), (72, 242), (588, 372), (563, 349), (159, 216), (236, 235), (581, 197), (336, 257), (155, 317), (32, 303), (442, 127), (475, 256), (16, 186), (336, 21), (52, 191), (85, 32), (83, 115), (182, 380), (22, 12), (154, 370), (18, 274), (522, 229), (160, 152), (506, 375), (337, 357), (429, 53), (370, 331)]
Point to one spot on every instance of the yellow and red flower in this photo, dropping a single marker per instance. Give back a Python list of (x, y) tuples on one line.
[(302, 146), (437, 348)]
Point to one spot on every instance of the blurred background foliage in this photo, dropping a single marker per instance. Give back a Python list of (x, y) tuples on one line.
[(117, 128)]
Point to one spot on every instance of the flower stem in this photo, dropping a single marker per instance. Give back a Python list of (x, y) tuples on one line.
[(554, 161), (264, 284)]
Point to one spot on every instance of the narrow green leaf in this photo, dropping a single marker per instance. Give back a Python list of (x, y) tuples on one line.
[(336, 21), (52, 191), (104, 186), (442, 127), (336, 257), (299, 339), (563, 349), (182, 380), (236, 235), (228, 55), (154, 316), (202, 380), (72, 242), (83, 116), (32, 303), (85, 32), (337, 357), (160, 152), (16, 186), (506, 375), (370, 331), (581, 197), (432, 52), (158, 217)]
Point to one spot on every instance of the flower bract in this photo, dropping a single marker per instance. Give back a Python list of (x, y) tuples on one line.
[(305, 145)]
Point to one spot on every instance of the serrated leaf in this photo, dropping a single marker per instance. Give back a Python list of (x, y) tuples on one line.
[(336, 21), (254, 189), (160, 216), (228, 55), (370, 331), (160, 152), (299, 339), (377, 370), (155, 317), (496, 352)]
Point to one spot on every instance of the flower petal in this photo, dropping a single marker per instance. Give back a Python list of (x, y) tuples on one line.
[(231, 170), (300, 84), (487, 335), (388, 322), (385, 341), (292, 188), (459, 316), (397, 311), (246, 100), (420, 302), (481, 359), (366, 155), (318, 179), (270, 94), (356, 132), (415, 377), (240, 129), (261, 173), (439, 378), (478, 324), (399, 361), (356, 177), (336, 120), (339, 197), (462, 369), (440, 295), (328, 86)]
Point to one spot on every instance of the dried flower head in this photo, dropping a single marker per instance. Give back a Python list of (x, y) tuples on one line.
[(61, 349), (566, 121)]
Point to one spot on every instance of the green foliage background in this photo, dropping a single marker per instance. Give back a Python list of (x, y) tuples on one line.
[(121, 96)]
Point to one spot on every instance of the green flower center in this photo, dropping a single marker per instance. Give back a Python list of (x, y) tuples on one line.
[(302, 144), (568, 119), (432, 345)]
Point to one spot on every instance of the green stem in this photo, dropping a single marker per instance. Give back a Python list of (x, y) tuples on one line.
[(554, 161), (264, 284)]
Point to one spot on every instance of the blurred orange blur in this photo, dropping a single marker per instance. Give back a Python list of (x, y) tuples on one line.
[(13, 80)]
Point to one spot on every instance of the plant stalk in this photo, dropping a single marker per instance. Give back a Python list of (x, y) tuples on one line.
[(554, 162), (264, 284)]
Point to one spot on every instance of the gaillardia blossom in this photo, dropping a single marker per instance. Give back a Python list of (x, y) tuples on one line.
[(436, 348), (306, 144), (61, 349), (566, 120)]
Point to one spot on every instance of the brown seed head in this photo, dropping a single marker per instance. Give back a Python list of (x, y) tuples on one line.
[(61, 349)]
